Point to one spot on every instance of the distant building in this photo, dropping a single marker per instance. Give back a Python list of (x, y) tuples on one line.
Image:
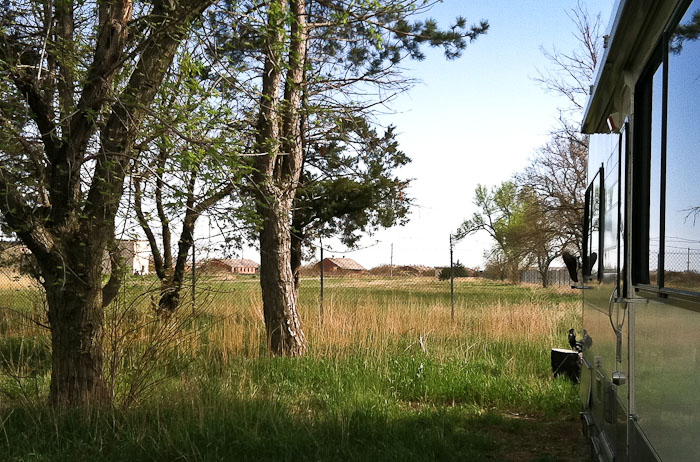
[(136, 254), (13, 254), (231, 265), (341, 266), (403, 270), (417, 270)]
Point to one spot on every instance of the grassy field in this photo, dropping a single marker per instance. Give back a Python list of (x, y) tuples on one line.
[(388, 376)]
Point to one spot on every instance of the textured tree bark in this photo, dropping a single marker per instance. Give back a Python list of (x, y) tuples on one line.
[(277, 176), (74, 292), (284, 333), (296, 251), (76, 319), (171, 287)]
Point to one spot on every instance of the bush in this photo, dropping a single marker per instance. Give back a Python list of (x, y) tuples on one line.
[(459, 271)]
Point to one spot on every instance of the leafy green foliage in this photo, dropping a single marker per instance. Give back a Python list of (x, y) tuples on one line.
[(457, 269), (502, 214), (350, 185), (363, 37)]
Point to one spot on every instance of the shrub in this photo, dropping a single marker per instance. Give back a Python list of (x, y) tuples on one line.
[(459, 272)]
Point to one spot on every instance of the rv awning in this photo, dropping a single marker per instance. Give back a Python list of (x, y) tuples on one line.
[(635, 29)]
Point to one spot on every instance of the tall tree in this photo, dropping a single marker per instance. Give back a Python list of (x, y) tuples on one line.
[(556, 176), (502, 215), (557, 173), (354, 44), (277, 172), (77, 80)]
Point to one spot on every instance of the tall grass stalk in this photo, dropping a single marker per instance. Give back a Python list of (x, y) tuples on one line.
[(387, 376)]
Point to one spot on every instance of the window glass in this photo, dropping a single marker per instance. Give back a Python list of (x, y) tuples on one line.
[(621, 209), (591, 262), (605, 147), (610, 192), (598, 222), (682, 217), (655, 175)]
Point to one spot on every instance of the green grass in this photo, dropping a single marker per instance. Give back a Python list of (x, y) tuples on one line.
[(366, 390), (252, 430)]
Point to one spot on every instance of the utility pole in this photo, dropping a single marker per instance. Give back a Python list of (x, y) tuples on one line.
[(689, 259), (320, 239), (452, 281), (391, 261)]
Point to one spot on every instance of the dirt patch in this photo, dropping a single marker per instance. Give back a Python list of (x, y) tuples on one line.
[(534, 440)]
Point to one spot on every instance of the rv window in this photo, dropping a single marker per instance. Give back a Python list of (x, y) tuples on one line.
[(682, 211), (666, 210), (655, 175), (592, 255), (647, 173)]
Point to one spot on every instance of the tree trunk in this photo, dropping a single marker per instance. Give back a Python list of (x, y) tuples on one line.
[(284, 333), (69, 230), (543, 264), (277, 175), (76, 317), (169, 300), (296, 253), (171, 286)]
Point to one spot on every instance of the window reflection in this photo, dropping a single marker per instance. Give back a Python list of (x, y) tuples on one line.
[(590, 262), (682, 234), (655, 175)]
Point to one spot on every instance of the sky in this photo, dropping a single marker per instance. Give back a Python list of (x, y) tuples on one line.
[(475, 120)]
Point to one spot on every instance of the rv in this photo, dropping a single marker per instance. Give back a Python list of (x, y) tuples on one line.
[(640, 377)]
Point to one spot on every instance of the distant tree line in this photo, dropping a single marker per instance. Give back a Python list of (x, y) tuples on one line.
[(534, 216)]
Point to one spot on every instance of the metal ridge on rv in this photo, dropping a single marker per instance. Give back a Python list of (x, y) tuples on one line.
[(634, 30)]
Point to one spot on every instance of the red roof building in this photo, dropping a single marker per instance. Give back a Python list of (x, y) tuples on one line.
[(232, 265), (341, 266)]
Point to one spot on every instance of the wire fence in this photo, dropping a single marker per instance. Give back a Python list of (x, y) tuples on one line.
[(343, 305), (681, 268), (556, 277), (324, 285)]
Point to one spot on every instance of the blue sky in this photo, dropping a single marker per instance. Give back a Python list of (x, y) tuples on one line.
[(683, 144), (474, 120)]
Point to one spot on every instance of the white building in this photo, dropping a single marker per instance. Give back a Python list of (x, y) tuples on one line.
[(136, 254)]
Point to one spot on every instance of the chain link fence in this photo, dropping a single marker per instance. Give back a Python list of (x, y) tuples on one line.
[(681, 268), (342, 304), (331, 283)]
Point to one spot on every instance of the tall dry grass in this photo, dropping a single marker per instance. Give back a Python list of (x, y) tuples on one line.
[(226, 325), (355, 322), (388, 375)]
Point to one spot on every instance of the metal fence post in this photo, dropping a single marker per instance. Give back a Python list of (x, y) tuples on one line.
[(194, 276), (321, 263), (452, 282), (391, 262)]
